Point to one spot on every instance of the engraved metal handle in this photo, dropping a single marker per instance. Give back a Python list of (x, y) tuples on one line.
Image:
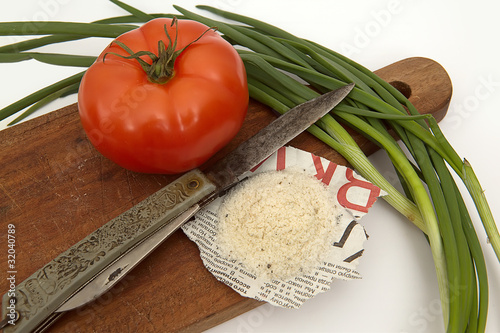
[(47, 289), (112, 274)]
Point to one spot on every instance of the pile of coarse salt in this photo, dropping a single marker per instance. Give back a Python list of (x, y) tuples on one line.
[(278, 224)]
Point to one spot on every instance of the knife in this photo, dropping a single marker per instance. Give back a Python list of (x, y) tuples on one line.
[(92, 266)]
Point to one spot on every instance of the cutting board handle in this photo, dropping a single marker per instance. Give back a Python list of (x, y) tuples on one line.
[(423, 81)]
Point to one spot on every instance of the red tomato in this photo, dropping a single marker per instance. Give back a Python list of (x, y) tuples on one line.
[(169, 127)]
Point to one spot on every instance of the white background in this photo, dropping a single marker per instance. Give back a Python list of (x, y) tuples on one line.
[(398, 292)]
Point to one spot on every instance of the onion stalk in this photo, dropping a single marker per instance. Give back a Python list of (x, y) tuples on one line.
[(446, 236)]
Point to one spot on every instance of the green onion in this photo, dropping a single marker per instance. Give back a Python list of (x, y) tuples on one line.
[(39, 95), (446, 226), (134, 11), (68, 90), (67, 28), (62, 37), (49, 58)]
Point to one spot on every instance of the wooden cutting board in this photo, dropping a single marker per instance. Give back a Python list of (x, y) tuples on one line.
[(56, 188)]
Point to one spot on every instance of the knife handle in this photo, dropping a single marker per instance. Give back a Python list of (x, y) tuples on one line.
[(46, 290), (115, 272)]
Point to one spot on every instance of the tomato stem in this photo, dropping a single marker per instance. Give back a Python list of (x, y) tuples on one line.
[(161, 68)]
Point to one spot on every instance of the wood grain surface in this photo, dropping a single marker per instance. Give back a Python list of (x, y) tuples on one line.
[(56, 188)]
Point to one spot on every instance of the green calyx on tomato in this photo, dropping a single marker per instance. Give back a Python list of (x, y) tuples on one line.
[(161, 68), (168, 127)]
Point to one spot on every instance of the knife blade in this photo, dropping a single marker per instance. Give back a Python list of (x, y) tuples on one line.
[(44, 296)]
